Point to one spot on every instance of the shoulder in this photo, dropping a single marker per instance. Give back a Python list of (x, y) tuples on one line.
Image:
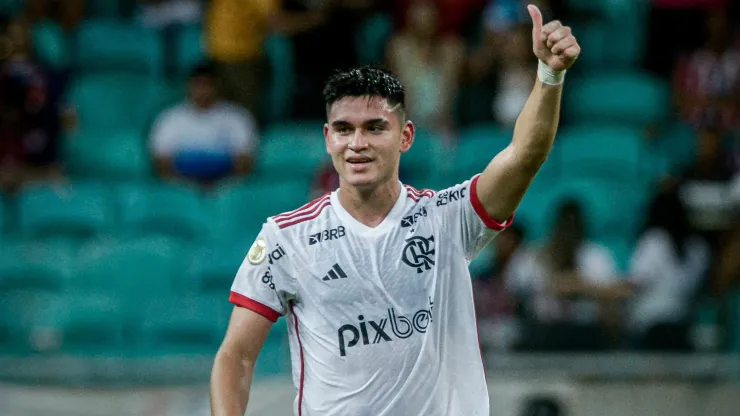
[(287, 222), (175, 112), (229, 109)]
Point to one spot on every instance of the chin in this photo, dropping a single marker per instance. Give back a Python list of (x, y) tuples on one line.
[(361, 180)]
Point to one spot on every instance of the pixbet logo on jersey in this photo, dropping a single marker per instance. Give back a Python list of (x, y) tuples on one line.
[(400, 326), (326, 235)]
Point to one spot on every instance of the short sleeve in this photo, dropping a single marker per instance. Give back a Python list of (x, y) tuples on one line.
[(465, 218), (263, 282)]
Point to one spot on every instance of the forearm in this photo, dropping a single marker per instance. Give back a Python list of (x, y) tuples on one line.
[(231, 381), (536, 126)]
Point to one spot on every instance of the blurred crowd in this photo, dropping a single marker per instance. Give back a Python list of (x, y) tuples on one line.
[(462, 62)]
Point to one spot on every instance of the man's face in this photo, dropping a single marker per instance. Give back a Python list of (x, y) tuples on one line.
[(365, 139), (202, 91)]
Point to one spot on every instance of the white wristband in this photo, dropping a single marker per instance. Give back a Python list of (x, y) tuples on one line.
[(548, 76)]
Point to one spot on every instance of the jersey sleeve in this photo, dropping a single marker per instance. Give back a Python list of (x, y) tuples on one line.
[(465, 219), (263, 283)]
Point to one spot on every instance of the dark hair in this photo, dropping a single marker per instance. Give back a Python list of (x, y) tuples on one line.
[(668, 212), (204, 69), (366, 81)]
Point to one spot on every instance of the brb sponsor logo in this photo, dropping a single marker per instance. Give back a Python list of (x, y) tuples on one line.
[(326, 235), (451, 196), (387, 329), (410, 220)]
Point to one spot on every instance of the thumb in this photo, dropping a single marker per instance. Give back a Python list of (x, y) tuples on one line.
[(536, 16)]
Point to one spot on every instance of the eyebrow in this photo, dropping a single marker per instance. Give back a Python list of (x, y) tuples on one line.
[(344, 123)]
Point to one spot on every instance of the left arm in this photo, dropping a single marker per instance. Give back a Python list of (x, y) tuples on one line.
[(505, 180)]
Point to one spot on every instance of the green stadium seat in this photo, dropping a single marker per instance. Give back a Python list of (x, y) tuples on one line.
[(78, 209), (621, 250), (213, 267), (477, 145), (191, 49), (104, 8), (40, 265), (116, 101), (184, 324), (424, 165), (617, 97), (109, 44), (291, 150), (677, 143), (4, 214), (610, 151), (159, 208), (278, 95), (116, 155), (242, 209), (134, 269), (371, 38), (51, 45)]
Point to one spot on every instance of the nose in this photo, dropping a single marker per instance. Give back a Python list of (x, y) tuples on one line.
[(357, 142)]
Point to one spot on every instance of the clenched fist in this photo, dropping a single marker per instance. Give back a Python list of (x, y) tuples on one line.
[(553, 43)]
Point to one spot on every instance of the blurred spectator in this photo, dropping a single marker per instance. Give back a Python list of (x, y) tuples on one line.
[(727, 270), (236, 31), (667, 268), (164, 13), (30, 115), (495, 308), (566, 285), (707, 81), (428, 64), (705, 187), (455, 17), (204, 139)]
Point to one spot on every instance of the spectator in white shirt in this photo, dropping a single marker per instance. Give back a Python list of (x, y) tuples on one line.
[(204, 139), (668, 265)]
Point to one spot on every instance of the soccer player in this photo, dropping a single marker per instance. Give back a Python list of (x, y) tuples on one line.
[(373, 278)]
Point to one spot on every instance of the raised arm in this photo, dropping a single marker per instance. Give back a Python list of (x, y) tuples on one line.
[(233, 367), (503, 183)]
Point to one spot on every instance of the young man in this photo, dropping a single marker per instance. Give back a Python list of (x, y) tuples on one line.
[(373, 278)]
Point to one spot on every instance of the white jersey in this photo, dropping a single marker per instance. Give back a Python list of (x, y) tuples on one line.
[(381, 320)]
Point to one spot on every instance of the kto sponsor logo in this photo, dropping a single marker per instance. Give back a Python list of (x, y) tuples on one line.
[(375, 331), (451, 196), (326, 235), (410, 220)]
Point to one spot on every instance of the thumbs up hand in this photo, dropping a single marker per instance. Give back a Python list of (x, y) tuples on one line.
[(553, 43)]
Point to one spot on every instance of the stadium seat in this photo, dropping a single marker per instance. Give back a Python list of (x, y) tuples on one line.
[(4, 214), (78, 209), (212, 267), (51, 45), (45, 266), (291, 150), (677, 143), (617, 97), (371, 38), (477, 145), (159, 208), (424, 165), (243, 208), (109, 44), (609, 151), (621, 250), (278, 95), (184, 323), (116, 101), (191, 49), (116, 155), (104, 8), (133, 269)]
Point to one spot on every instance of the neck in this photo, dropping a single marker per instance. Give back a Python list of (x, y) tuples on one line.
[(370, 207)]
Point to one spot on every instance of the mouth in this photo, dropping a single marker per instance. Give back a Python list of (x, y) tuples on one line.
[(359, 160)]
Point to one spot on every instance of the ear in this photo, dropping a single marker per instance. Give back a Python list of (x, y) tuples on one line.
[(407, 136), (326, 137)]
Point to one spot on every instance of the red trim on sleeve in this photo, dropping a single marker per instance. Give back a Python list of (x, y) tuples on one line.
[(489, 221), (300, 347), (254, 306)]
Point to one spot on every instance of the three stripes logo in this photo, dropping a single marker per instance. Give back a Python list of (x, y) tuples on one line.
[(335, 273)]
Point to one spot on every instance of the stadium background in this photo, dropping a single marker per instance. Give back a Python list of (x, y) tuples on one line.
[(113, 281)]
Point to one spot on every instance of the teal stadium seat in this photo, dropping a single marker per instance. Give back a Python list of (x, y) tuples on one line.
[(477, 145), (616, 152), (242, 209), (677, 143), (109, 44), (51, 44), (115, 155), (79, 209), (4, 214), (213, 266), (617, 97), (372, 37), (116, 101), (291, 150), (45, 266), (191, 49), (278, 95), (425, 164), (104, 8), (159, 208), (135, 269)]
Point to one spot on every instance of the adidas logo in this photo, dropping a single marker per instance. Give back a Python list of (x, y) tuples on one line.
[(335, 273)]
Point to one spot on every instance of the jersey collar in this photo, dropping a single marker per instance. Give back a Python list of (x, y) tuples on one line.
[(392, 219)]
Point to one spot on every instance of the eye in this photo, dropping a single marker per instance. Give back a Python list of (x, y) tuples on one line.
[(375, 128), (342, 129)]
